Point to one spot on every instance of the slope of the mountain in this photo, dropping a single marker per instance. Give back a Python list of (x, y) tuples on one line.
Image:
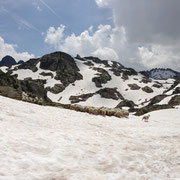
[(161, 73), (47, 143), (7, 61), (90, 81)]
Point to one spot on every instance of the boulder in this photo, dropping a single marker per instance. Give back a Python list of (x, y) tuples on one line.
[(134, 86), (147, 89), (110, 93), (102, 78), (82, 97), (56, 89)]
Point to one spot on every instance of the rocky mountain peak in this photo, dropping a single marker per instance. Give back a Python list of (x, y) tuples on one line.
[(7, 61)]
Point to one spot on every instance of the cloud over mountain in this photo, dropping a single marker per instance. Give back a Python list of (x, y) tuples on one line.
[(144, 35)]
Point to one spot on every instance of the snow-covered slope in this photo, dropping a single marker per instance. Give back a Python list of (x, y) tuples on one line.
[(95, 83), (43, 143), (161, 73)]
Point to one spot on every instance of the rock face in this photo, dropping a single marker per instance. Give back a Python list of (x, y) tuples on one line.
[(56, 89), (64, 65), (134, 86), (127, 103), (9, 86), (102, 78), (110, 93), (147, 89), (7, 61), (31, 64)]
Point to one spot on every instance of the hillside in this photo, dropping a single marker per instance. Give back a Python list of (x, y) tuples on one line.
[(89, 81), (41, 142)]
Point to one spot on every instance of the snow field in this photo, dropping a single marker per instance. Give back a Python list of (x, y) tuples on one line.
[(45, 143)]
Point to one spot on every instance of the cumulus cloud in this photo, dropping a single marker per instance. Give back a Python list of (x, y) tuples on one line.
[(152, 30), (102, 43), (10, 49), (145, 34), (54, 36)]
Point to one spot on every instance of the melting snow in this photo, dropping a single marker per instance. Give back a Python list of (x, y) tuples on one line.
[(45, 143)]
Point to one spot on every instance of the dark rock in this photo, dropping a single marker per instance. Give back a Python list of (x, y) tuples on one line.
[(176, 82), (177, 91), (174, 101), (88, 63), (150, 108), (83, 97), (147, 89), (20, 62), (56, 89), (47, 74), (102, 78), (64, 65), (146, 80), (97, 60), (157, 85), (34, 87), (126, 103), (7, 61), (134, 86), (157, 99), (110, 93), (31, 64), (7, 80)]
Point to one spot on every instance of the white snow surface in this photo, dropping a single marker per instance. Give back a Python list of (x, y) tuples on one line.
[(47, 143)]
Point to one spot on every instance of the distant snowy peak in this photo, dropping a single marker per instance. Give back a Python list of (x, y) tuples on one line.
[(161, 73)]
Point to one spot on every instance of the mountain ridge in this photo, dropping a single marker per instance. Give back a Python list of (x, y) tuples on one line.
[(90, 81)]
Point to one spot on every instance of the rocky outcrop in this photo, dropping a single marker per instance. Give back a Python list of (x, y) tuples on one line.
[(110, 93), (64, 65), (47, 74), (127, 103), (7, 61), (177, 90), (83, 97), (175, 101), (56, 89), (134, 86), (102, 77), (35, 87), (157, 99), (31, 64), (147, 89)]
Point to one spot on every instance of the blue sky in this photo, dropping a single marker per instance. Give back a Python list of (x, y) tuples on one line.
[(23, 22), (140, 34)]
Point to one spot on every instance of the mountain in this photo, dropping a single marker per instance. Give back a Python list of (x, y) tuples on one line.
[(161, 73), (7, 61), (89, 81)]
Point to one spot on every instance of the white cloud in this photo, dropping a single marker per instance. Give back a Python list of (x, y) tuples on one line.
[(9, 49), (144, 35), (53, 36), (100, 43), (152, 25)]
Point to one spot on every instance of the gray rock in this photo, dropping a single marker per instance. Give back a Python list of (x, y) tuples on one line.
[(134, 86), (147, 89), (110, 93), (101, 78), (56, 89)]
